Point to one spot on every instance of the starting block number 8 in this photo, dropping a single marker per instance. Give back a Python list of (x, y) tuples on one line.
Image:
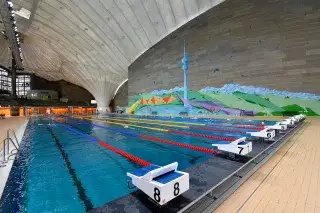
[(156, 194), (176, 189)]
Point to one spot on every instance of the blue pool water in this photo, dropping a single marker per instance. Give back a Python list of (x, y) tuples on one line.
[(63, 169)]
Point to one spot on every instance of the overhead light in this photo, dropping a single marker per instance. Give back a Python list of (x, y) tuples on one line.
[(23, 13), (14, 22), (10, 3)]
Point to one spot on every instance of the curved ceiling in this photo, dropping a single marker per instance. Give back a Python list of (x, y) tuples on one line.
[(91, 43)]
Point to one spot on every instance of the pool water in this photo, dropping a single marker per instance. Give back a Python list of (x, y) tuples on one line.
[(59, 170)]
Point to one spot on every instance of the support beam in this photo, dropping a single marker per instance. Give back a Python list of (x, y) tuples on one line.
[(10, 32), (13, 79)]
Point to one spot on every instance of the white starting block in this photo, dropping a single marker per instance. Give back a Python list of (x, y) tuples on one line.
[(293, 120), (161, 184), (266, 133), (239, 146), (299, 117), (278, 126), (288, 122)]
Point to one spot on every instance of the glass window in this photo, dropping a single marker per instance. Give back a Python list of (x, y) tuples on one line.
[(5, 80), (22, 84)]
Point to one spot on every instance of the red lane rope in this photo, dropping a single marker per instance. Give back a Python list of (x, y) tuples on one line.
[(203, 135), (241, 127), (125, 154), (197, 148), (218, 130)]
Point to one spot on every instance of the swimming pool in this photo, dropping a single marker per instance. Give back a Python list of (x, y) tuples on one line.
[(62, 167)]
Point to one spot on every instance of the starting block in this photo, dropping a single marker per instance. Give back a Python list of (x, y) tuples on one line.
[(278, 126), (161, 184), (239, 146), (299, 117), (266, 133), (289, 122)]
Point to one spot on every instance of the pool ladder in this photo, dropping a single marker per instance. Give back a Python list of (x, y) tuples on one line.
[(9, 141)]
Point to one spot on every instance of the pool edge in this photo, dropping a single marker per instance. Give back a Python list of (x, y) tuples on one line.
[(5, 171)]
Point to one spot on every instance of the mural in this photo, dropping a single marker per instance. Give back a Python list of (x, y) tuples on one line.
[(231, 99)]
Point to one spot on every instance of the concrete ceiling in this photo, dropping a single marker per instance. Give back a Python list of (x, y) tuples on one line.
[(92, 43)]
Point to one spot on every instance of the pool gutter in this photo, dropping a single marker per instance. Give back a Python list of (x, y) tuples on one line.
[(5, 171)]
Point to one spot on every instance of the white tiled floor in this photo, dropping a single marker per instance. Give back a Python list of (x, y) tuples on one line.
[(11, 123)]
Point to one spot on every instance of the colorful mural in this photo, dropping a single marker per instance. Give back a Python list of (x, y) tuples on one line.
[(232, 99)]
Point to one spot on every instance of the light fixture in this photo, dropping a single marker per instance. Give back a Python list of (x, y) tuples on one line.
[(10, 3)]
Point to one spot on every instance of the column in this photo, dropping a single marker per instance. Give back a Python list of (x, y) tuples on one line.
[(13, 79)]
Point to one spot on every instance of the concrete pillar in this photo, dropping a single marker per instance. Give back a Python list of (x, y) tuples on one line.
[(13, 78)]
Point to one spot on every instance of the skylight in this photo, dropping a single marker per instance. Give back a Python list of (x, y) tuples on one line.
[(23, 13)]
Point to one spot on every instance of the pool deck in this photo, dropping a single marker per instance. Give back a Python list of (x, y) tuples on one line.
[(9, 123), (18, 124), (288, 182)]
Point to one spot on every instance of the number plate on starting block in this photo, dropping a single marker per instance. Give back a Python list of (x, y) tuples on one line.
[(161, 184)]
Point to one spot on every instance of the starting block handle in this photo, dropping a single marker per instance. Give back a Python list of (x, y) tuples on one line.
[(160, 171), (243, 139)]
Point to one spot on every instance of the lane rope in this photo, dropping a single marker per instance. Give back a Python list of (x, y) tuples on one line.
[(106, 145)]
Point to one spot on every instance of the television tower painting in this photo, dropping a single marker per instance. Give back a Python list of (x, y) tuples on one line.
[(185, 61)]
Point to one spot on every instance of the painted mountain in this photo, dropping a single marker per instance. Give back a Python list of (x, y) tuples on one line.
[(232, 99)]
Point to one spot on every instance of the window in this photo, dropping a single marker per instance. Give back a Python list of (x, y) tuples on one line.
[(23, 85), (5, 80)]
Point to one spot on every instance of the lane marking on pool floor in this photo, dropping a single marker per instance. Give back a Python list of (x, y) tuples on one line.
[(76, 181)]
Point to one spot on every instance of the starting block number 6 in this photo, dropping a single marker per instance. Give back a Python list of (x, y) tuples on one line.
[(156, 195)]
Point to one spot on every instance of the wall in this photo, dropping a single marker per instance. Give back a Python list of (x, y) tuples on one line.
[(74, 92), (121, 98), (275, 44), (66, 90)]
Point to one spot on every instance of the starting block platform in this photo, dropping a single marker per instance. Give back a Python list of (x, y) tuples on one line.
[(291, 121), (279, 127), (267, 134), (239, 146), (161, 184)]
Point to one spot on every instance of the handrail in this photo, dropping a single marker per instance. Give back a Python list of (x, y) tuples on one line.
[(14, 134), (6, 147)]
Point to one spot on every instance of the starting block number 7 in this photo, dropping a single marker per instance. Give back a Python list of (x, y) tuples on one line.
[(156, 195), (241, 148)]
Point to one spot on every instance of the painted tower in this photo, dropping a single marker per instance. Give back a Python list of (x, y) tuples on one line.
[(185, 61)]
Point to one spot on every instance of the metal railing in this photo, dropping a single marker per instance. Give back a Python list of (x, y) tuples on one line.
[(10, 147)]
